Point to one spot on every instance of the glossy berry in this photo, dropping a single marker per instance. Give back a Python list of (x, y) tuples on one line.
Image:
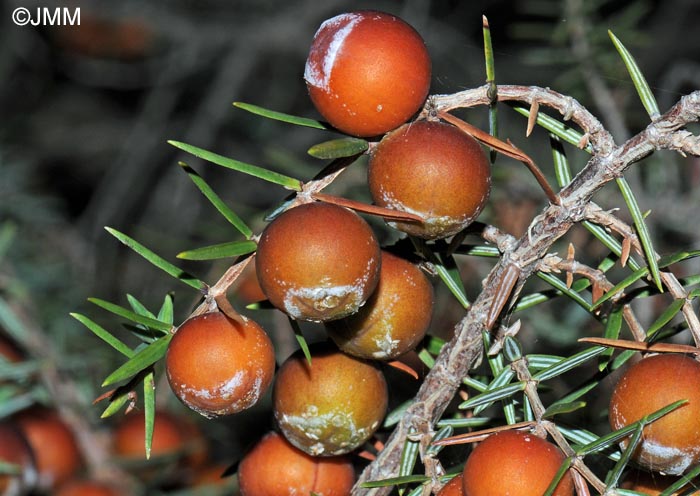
[(367, 72), (672, 443), (318, 262), (15, 450), (218, 366), (433, 170), (55, 448), (453, 488), (276, 468), (87, 488), (516, 463), (394, 319), (331, 406)]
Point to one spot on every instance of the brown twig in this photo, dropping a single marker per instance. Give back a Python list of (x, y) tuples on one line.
[(643, 346), (506, 148), (523, 373), (465, 350), (385, 213), (480, 435), (600, 285), (669, 280)]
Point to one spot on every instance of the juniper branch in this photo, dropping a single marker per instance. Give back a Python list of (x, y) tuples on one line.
[(460, 354)]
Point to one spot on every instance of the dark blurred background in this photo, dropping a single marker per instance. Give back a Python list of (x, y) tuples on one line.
[(86, 112)]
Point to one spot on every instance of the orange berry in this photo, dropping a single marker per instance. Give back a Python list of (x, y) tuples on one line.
[(516, 463), (367, 72), (15, 450), (87, 488), (172, 446), (276, 468), (453, 488), (55, 449), (130, 434), (331, 406), (318, 262), (394, 319), (433, 170), (218, 366), (672, 443)]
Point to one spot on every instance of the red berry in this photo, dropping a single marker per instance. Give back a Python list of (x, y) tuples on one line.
[(318, 262), (218, 366), (394, 319), (517, 463), (433, 170), (367, 72), (276, 468), (56, 451), (672, 443)]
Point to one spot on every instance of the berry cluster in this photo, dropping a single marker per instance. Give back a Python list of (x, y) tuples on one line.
[(319, 261), (46, 457), (40, 446), (367, 73), (41, 453)]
